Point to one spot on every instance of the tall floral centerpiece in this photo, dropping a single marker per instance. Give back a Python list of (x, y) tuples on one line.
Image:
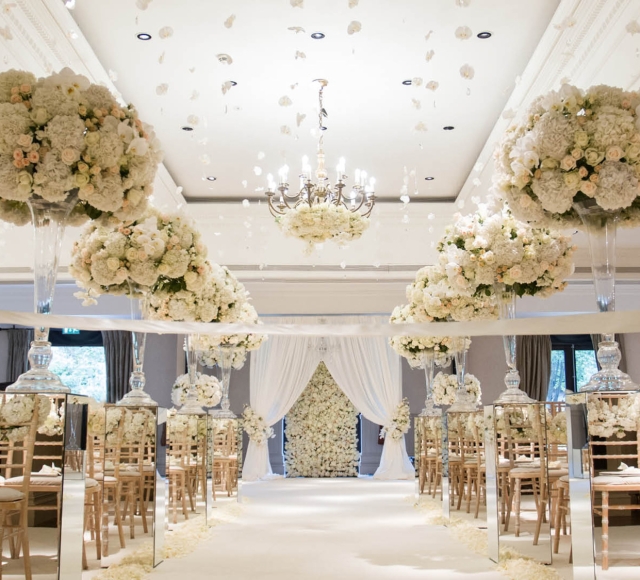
[(490, 249), (221, 298), (152, 253), (436, 298), (69, 152), (574, 161), (422, 351)]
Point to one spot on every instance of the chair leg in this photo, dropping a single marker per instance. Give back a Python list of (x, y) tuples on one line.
[(542, 512), (24, 523), (517, 492), (605, 530), (557, 520)]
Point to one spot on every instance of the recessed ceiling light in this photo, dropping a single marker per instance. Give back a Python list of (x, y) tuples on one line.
[(144, 36), (317, 35), (429, 178), (407, 82), (449, 128), (323, 128), (233, 83), (211, 178), (187, 128), (484, 35)]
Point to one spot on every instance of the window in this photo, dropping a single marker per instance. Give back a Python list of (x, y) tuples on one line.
[(573, 361), (79, 361)]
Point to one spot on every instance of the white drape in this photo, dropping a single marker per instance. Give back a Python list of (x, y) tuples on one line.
[(280, 371), (369, 373)]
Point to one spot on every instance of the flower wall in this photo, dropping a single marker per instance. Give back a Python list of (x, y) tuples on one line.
[(321, 431)]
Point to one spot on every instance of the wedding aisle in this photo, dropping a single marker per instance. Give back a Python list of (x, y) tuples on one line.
[(329, 528)]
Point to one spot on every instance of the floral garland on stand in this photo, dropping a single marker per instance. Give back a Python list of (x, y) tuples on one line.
[(208, 388), (256, 427), (570, 147), (61, 134), (321, 431), (445, 387), (605, 421), (400, 422), (318, 223), (138, 425), (18, 410), (157, 250)]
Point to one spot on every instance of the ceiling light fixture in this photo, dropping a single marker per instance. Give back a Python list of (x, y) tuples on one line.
[(484, 35), (360, 199), (429, 178), (407, 82), (233, 83), (211, 178), (144, 36), (317, 35), (449, 128), (187, 128)]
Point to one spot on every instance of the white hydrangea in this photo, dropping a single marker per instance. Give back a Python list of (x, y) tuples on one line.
[(445, 386), (321, 431), (18, 410), (62, 134), (606, 420), (570, 147), (256, 427), (400, 422), (208, 387)]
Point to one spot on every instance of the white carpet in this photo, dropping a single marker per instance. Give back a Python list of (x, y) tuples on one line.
[(329, 528)]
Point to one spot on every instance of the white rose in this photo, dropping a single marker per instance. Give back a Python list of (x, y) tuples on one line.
[(567, 163), (69, 156), (588, 188), (582, 138), (92, 138), (593, 156), (614, 153), (81, 179), (113, 264), (572, 179)]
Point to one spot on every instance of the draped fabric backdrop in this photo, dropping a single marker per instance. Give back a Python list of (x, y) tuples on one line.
[(119, 361), (365, 368), (17, 361), (533, 354)]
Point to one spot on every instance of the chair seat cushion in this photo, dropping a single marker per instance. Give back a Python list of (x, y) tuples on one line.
[(105, 478), (36, 481), (8, 494), (616, 480), (89, 483)]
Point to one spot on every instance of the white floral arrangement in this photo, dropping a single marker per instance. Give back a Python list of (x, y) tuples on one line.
[(413, 347), (320, 222), (445, 386), (60, 134), (557, 428), (139, 425), (192, 426), (96, 420), (220, 299), (573, 146), (18, 410), (208, 345), (256, 427), (208, 387), (400, 422), (435, 299), (605, 421), (321, 431), (158, 249), (54, 423), (522, 421), (491, 246)]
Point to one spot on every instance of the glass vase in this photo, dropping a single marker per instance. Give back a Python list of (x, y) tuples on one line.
[(49, 221), (506, 298), (429, 410), (600, 226), (137, 395), (191, 405), (465, 401), (225, 359)]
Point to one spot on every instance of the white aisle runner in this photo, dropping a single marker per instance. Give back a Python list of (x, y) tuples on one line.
[(335, 529)]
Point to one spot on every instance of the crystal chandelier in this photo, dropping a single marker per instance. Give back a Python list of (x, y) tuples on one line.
[(360, 199)]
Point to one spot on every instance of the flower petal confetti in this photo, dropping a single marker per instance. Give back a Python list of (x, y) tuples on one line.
[(300, 55), (205, 159), (244, 183), (354, 27), (416, 81), (421, 126), (479, 166), (463, 3), (224, 58), (165, 32), (467, 72), (257, 170), (353, 3), (161, 58), (299, 118), (343, 264), (245, 203), (226, 86), (405, 199), (567, 22), (193, 119), (429, 55), (296, 29), (194, 96), (633, 27), (476, 182), (228, 23), (463, 32), (508, 114), (427, 36), (261, 155), (432, 85), (285, 101), (297, 3), (140, 4), (416, 103), (162, 89), (285, 130)]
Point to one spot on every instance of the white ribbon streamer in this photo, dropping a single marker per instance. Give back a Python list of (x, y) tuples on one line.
[(598, 323)]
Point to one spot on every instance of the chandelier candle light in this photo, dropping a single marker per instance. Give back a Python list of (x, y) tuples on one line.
[(429, 362), (465, 401), (225, 360), (319, 211), (191, 405)]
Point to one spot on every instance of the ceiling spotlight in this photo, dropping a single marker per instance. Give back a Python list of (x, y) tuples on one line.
[(317, 35), (144, 36), (187, 128), (449, 128), (407, 82), (233, 83), (429, 178), (211, 178), (484, 35)]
